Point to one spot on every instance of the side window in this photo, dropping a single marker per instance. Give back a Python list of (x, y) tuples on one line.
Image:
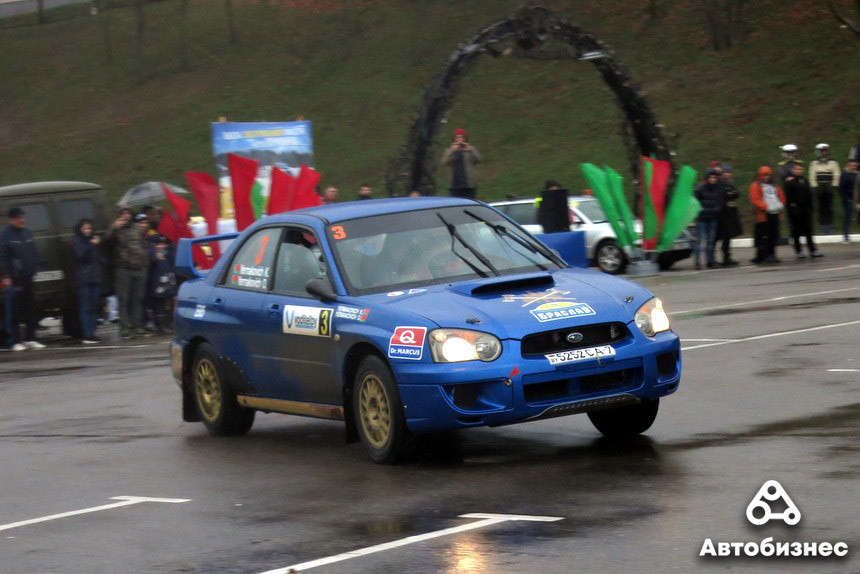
[(73, 210), (523, 213), (299, 261), (251, 267), (37, 217)]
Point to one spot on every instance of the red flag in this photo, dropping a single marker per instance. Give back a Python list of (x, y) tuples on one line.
[(660, 171), (205, 191), (243, 173), (282, 194), (306, 196), (168, 226), (180, 206)]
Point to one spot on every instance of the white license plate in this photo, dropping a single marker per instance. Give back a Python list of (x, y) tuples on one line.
[(581, 355)]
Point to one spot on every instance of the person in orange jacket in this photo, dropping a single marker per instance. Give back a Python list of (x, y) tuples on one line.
[(768, 201)]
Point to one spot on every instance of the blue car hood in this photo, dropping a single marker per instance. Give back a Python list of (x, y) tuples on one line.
[(514, 306)]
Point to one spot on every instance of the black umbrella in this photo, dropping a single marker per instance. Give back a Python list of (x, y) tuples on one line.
[(147, 193)]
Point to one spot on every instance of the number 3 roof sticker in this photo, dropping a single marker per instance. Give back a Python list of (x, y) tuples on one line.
[(771, 491)]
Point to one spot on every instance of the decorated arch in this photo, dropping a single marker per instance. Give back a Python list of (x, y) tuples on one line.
[(530, 28)]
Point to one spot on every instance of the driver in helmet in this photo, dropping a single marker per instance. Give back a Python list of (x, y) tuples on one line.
[(824, 175)]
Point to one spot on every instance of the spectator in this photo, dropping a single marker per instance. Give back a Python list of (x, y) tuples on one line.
[(161, 284), (329, 195), (364, 192), (711, 195), (415, 193), (130, 249), (19, 261), (730, 219), (798, 196), (823, 177), (847, 182), (768, 202), (854, 152), (462, 157), (88, 278), (153, 214), (789, 154)]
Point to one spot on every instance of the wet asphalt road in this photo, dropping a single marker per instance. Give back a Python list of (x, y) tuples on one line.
[(759, 400)]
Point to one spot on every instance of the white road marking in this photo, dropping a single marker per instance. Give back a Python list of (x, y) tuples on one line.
[(841, 268), (488, 520), (769, 335), (707, 340), (842, 370), (771, 300), (126, 501)]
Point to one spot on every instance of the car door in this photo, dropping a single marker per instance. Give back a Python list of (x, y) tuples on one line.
[(296, 334), (233, 307)]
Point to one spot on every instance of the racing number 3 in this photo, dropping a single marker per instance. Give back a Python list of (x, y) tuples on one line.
[(337, 232), (325, 322)]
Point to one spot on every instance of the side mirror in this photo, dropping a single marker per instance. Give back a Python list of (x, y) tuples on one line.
[(321, 289)]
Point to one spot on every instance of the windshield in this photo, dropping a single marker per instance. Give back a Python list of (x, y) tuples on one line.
[(591, 209), (428, 247)]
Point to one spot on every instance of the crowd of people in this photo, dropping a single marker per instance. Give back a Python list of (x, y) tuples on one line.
[(127, 272), (789, 191)]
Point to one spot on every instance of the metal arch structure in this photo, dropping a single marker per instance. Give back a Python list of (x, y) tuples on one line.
[(531, 28)]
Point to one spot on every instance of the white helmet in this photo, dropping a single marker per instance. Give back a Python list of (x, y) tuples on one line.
[(821, 148), (787, 149)]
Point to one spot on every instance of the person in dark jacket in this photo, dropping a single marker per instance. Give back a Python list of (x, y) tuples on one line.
[(847, 182), (730, 218), (798, 196), (711, 196), (461, 157), (161, 283), (19, 261), (130, 254), (88, 278)]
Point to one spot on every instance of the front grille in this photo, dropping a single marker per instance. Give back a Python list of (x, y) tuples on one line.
[(555, 341)]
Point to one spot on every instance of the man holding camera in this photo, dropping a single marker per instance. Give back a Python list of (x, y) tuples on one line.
[(462, 157)]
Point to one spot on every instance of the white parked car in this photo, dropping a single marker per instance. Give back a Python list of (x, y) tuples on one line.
[(587, 215)]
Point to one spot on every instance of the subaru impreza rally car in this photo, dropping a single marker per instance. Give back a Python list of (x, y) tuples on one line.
[(413, 315)]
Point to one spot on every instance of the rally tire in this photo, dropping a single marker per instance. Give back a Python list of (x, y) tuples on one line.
[(214, 399), (378, 411), (610, 258), (627, 421)]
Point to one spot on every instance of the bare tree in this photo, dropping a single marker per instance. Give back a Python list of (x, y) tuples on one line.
[(850, 24), (140, 14), (183, 33), (102, 13), (725, 20), (231, 25), (40, 10)]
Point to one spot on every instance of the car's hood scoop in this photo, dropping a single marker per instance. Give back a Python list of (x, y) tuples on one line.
[(509, 283)]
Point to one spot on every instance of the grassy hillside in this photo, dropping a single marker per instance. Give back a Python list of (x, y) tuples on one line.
[(358, 68)]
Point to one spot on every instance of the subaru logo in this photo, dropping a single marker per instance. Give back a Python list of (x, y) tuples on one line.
[(574, 337)]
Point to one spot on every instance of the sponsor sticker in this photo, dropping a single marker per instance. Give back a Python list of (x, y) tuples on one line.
[(561, 310), (351, 313), (580, 355), (199, 311), (407, 343), (311, 321), (253, 276), (395, 293)]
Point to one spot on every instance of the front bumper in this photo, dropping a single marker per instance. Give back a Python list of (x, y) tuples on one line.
[(506, 391)]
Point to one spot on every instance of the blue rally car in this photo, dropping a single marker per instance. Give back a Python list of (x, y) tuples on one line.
[(414, 315)]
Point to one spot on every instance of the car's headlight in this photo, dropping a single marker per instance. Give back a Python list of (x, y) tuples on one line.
[(456, 345), (651, 318)]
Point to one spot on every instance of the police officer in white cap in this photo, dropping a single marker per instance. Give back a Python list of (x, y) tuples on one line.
[(824, 175), (789, 155)]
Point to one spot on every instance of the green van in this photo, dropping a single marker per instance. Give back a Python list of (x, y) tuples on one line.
[(52, 210)]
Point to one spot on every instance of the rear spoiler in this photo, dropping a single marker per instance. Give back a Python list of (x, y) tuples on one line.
[(184, 263)]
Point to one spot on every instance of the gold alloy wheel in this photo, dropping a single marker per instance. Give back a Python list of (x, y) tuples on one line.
[(374, 411), (208, 389)]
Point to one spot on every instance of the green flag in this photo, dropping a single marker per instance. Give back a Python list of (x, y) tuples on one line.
[(616, 184), (683, 208), (599, 184), (257, 200)]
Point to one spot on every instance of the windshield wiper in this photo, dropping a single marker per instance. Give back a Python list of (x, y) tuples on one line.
[(503, 231), (455, 235)]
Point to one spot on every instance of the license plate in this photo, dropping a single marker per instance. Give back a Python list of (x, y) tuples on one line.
[(581, 355)]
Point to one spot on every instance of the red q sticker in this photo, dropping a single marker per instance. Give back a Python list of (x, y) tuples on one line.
[(407, 343)]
